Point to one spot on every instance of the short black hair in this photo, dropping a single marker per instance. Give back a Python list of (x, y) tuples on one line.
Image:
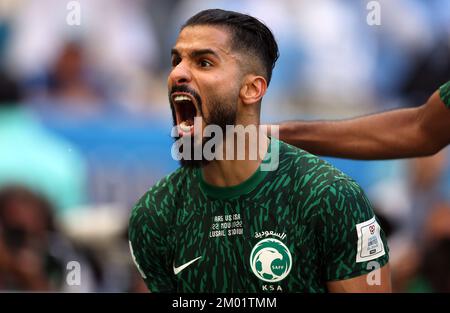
[(247, 34)]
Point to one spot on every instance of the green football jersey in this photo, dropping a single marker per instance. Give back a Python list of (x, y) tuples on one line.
[(291, 230)]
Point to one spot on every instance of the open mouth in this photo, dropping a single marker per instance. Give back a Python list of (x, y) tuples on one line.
[(186, 111)]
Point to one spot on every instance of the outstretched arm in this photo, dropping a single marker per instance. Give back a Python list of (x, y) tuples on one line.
[(400, 133)]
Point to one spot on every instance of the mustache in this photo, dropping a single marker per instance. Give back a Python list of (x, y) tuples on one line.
[(186, 89)]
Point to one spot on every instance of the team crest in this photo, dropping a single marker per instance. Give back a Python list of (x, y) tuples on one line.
[(270, 260)]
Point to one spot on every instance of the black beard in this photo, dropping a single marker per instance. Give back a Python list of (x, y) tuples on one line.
[(222, 114)]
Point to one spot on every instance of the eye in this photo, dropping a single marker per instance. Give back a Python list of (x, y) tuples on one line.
[(205, 63), (175, 61)]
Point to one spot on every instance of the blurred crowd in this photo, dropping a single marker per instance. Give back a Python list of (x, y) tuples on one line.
[(85, 124)]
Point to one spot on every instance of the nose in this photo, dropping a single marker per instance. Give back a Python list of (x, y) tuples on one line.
[(180, 74)]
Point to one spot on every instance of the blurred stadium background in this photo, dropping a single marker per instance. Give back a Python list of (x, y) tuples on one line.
[(85, 124)]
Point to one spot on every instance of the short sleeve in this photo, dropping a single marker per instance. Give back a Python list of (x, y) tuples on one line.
[(352, 239), (148, 245), (445, 94)]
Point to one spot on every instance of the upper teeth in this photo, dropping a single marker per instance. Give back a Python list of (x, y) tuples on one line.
[(182, 98)]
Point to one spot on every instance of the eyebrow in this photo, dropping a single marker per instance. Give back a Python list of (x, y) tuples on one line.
[(197, 53)]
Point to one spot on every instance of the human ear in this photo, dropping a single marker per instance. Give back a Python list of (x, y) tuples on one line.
[(253, 89)]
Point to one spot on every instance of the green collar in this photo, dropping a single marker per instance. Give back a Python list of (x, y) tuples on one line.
[(234, 191)]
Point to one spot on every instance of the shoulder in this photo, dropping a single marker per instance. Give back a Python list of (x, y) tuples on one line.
[(158, 204), (345, 196), (170, 185), (309, 170), (317, 183)]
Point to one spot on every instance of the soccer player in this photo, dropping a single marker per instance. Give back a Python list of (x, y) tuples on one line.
[(230, 225), (401, 133)]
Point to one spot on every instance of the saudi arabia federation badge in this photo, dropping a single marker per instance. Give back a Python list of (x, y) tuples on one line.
[(270, 260)]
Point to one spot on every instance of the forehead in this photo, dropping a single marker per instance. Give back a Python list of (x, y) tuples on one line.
[(204, 37)]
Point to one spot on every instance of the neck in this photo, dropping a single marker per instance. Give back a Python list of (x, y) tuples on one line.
[(231, 172)]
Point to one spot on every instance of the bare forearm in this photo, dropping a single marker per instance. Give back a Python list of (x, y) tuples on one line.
[(400, 133), (388, 135)]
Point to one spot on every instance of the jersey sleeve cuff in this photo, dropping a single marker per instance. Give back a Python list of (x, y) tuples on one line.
[(445, 94), (365, 269)]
